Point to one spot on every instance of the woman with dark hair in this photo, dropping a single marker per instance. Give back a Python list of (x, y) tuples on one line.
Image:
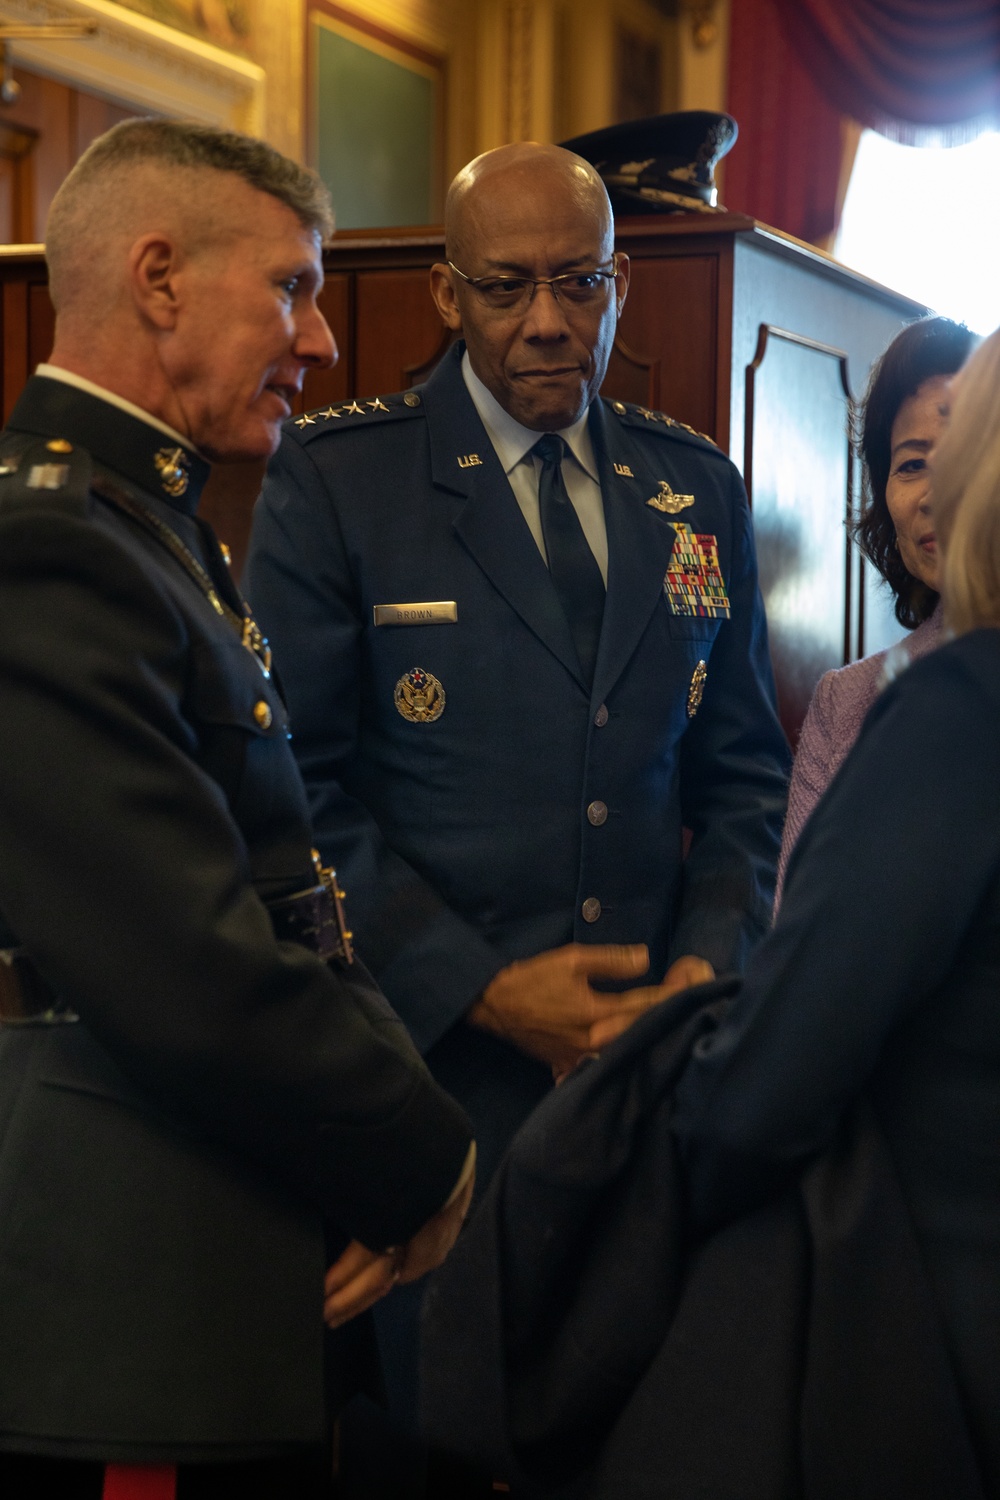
[(902, 417)]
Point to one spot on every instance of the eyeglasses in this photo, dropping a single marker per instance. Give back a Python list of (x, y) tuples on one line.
[(514, 294)]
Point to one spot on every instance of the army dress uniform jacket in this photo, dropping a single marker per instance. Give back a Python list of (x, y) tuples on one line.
[(522, 811), (169, 1162)]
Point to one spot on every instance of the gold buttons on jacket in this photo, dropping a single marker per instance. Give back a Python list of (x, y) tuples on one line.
[(591, 909), (597, 813), (262, 713)]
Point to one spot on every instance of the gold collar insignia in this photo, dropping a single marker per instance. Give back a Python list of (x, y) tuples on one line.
[(172, 465)]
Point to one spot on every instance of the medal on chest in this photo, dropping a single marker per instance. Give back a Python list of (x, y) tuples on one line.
[(693, 584)]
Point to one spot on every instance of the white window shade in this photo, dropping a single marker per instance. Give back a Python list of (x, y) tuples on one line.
[(926, 221)]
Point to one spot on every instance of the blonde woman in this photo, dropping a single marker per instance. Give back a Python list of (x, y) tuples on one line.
[(881, 979)]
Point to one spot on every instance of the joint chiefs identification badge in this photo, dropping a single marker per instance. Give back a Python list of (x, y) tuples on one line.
[(693, 584), (419, 697)]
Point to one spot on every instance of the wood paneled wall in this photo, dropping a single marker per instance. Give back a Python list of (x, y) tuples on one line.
[(41, 135)]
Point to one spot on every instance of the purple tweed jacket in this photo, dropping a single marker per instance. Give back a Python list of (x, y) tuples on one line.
[(838, 709)]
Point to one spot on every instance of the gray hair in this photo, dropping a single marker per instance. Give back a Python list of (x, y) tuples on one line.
[(171, 144)]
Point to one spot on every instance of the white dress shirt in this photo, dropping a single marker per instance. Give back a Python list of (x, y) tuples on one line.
[(513, 444)]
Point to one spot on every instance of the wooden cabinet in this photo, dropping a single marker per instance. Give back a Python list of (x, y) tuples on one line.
[(26, 318), (767, 344), (738, 330)]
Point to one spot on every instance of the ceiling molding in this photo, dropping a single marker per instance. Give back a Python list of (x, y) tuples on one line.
[(140, 62)]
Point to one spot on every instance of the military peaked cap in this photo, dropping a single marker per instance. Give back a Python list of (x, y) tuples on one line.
[(661, 164)]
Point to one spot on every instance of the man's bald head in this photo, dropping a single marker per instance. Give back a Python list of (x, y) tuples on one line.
[(532, 280), (160, 175), (481, 189)]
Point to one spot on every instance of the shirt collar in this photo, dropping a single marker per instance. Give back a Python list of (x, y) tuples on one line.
[(511, 440), (56, 372)]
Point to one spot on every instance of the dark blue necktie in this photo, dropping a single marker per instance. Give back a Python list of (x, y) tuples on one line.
[(572, 565)]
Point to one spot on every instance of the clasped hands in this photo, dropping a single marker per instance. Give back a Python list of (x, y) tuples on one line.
[(548, 1008), (360, 1277)]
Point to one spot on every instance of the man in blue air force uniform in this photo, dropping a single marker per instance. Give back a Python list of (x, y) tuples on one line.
[(518, 666)]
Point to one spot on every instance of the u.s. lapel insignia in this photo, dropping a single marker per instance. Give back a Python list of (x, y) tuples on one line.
[(624, 471), (419, 697), (172, 467), (668, 501), (697, 688), (693, 584)]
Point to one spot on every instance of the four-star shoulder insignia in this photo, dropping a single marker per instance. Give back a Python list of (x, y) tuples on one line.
[(671, 422), (356, 412), (641, 416)]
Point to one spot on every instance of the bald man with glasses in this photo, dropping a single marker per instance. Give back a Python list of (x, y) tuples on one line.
[(523, 646)]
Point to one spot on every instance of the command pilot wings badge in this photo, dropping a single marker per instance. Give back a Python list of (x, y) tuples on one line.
[(667, 501)]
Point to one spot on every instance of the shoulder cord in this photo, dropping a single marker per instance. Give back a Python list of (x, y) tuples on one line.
[(249, 631)]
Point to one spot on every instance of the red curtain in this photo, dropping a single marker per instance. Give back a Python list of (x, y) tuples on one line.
[(902, 66), (785, 166), (797, 67)]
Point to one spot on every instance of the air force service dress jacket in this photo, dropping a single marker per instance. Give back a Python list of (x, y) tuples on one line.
[(168, 1162), (522, 810)]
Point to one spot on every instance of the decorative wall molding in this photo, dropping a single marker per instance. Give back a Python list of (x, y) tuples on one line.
[(139, 61), (520, 60), (278, 39)]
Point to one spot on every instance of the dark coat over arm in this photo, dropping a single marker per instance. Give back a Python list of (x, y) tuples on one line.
[(768, 1233)]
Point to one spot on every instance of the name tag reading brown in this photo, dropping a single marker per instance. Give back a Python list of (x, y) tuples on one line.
[(433, 612)]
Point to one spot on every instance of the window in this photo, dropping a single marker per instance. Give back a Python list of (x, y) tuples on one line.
[(926, 221)]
